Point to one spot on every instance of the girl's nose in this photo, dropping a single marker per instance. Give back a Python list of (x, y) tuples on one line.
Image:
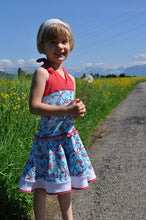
[(59, 44)]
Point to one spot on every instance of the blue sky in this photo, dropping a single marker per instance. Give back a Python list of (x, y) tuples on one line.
[(108, 33)]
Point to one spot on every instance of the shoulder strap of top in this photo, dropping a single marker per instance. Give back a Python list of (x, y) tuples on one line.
[(46, 63)]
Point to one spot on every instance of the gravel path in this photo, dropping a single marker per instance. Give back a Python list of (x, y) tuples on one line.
[(118, 155)]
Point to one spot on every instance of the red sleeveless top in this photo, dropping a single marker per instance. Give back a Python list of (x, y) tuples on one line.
[(56, 82)]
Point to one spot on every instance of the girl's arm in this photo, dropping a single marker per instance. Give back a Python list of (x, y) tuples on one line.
[(76, 109)]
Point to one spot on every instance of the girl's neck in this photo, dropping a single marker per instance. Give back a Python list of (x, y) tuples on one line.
[(56, 66)]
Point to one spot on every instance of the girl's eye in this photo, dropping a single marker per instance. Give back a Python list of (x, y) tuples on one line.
[(53, 42), (64, 41)]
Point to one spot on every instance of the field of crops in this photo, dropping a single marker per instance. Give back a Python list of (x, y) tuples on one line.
[(18, 126)]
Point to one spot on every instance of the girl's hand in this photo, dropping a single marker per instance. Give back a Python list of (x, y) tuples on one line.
[(77, 109)]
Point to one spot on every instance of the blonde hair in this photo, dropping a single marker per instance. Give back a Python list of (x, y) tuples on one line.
[(53, 32)]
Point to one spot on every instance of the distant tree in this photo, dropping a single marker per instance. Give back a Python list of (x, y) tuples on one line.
[(111, 76), (84, 75), (122, 75), (21, 73), (92, 75), (96, 75)]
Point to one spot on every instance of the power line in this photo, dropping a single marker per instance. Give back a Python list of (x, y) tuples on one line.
[(105, 26), (109, 36), (111, 40)]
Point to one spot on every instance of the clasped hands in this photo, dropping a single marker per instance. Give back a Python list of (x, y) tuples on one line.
[(77, 108)]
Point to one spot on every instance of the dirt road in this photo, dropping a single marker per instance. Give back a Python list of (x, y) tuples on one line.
[(118, 155)]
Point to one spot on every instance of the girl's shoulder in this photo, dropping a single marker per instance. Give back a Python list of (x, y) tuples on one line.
[(41, 72)]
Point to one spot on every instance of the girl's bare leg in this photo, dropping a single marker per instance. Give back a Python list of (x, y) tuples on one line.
[(39, 204), (65, 202)]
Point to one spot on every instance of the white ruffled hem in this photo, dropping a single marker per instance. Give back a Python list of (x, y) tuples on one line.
[(79, 183)]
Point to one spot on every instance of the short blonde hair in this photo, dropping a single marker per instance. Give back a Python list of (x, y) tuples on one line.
[(53, 32)]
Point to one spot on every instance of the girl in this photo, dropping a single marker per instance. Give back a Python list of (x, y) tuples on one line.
[(58, 161)]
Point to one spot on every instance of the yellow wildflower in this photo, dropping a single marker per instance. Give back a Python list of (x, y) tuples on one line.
[(5, 96)]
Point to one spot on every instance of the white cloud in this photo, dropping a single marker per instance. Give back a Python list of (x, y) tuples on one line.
[(139, 59), (101, 68), (138, 62), (5, 63), (88, 64), (104, 68), (92, 67), (20, 62), (140, 56), (32, 62), (13, 66)]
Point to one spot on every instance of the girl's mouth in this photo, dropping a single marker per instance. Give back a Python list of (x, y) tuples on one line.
[(60, 54)]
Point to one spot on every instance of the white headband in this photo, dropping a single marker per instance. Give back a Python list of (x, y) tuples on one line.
[(49, 22)]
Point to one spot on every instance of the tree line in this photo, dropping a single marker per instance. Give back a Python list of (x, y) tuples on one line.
[(97, 75), (25, 74)]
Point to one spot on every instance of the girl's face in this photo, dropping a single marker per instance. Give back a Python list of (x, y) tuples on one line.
[(57, 50)]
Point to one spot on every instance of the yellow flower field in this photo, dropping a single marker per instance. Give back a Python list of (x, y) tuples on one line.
[(14, 95)]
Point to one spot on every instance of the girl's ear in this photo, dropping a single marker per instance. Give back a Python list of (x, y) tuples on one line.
[(41, 48)]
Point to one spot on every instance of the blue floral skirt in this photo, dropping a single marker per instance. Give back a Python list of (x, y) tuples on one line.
[(57, 165)]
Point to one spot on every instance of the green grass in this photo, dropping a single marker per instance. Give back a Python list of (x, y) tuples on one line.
[(100, 98), (18, 126)]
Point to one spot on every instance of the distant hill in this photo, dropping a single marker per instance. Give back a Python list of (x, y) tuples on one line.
[(138, 70), (2, 73), (7, 75)]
